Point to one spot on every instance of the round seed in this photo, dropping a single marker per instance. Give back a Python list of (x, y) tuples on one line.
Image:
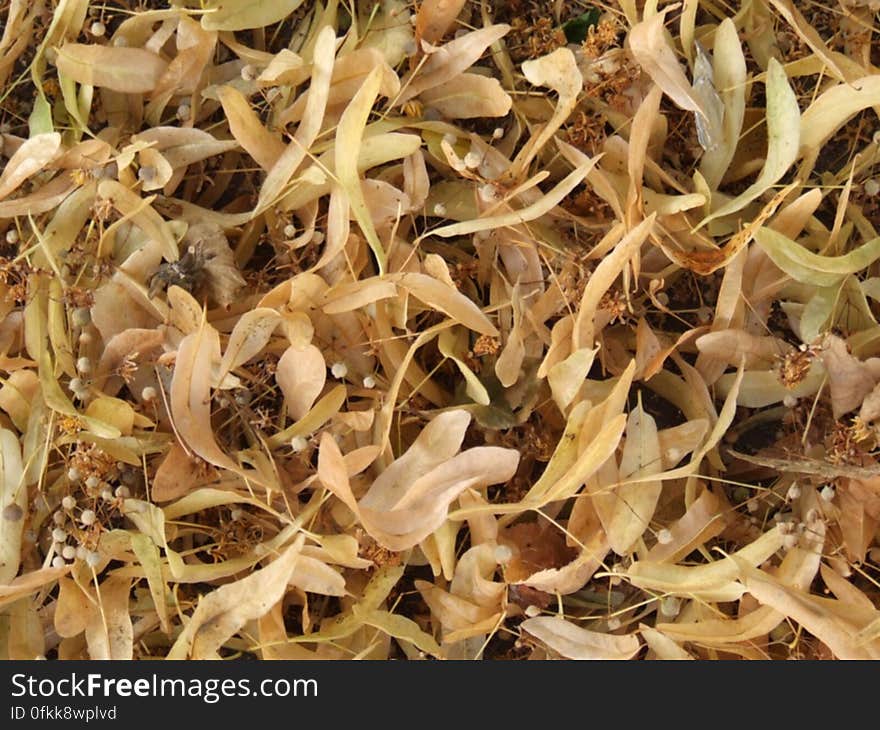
[(12, 513)]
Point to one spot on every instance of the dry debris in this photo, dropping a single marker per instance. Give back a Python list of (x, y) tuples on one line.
[(376, 329)]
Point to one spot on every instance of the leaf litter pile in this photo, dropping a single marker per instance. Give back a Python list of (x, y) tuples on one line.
[(512, 330)]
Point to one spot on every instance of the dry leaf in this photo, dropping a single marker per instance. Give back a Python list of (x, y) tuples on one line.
[(246, 127), (783, 126), (249, 336), (729, 74), (30, 158), (245, 14), (301, 375), (190, 396), (13, 506), (449, 61), (435, 17), (348, 141), (647, 42), (849, 379), (127, 70), (469, 96), (109, 632), (224, 611), (573, 642), (634, 504)]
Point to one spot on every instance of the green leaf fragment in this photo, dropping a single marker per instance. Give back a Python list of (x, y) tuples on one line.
[(811, 268), (576, 29)]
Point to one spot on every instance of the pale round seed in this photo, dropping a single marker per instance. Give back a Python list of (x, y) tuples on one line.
[(670, 606), (147, 173), (487, 193), (81, 316), (298, 443), (12, 512), (503, 554), (472, 160)]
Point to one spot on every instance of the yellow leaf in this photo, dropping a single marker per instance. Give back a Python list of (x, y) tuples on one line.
[(648, 43), (541, 207), (222, 612), (469, 96), (301, 374), (634, 504), (191, 395), (715, 581), (13, 505), (783, 135), (29, 159), (25, 585), (127, 70), (245, 14), (573, 642), (249, 336), (729, 66), (449, 61), (449, 301), (109, 632), (115, 412), (349, 133), (435, 17), (266, 148)]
